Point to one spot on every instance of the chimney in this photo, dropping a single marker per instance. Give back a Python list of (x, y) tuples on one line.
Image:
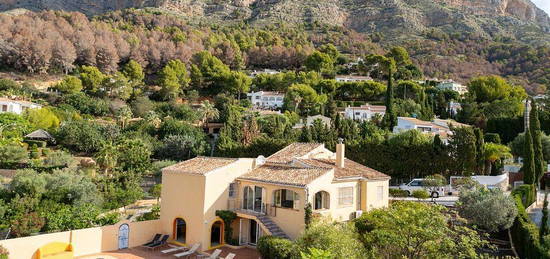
[(340, 151)]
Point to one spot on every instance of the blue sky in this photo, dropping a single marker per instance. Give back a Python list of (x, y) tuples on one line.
[(543, 4)]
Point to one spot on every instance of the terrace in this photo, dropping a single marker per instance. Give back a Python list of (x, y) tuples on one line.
[(142, 253)]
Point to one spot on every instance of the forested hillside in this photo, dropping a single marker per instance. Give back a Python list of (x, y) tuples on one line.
[(50, 42)]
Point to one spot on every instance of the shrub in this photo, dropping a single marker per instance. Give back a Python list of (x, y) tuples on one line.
[(4, 252), (271, 247), (38, 143), (420, 194), (35, 153), (152, 215), (398, 193), (491, 210), (109, 219), (13, 154), (58, 159), (340, 239)]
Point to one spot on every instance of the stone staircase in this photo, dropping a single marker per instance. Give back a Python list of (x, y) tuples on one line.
[(272, 227)]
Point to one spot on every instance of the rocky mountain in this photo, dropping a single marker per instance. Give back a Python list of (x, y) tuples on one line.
[(394, 18)]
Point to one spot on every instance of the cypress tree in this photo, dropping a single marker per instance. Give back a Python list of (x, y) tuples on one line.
[(529, 160), (543, 230), (306, 135), (390, 118), (480, 157), (534, 128)]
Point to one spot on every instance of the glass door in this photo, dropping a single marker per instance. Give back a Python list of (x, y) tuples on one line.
[(253, 232), (258, 199)]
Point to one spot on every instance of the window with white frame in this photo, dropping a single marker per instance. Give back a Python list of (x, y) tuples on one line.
[(232, 190), (380, 192), (345, 196), (286, 199)]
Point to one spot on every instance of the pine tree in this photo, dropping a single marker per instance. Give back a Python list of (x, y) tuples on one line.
[(536, 134), (529, 160), (390, 118)]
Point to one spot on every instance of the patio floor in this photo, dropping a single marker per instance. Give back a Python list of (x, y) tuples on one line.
[(143, 253)]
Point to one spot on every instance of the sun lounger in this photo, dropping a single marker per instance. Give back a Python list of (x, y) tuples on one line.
[(191, 251), (174, 249), (159, 243), (230, 256), (214, 255), (155, 239)]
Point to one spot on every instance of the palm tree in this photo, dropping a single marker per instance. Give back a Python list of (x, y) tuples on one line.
[(107, 157), (493, 152), (208, 112)]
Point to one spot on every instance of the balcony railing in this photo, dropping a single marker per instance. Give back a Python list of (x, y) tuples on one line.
[(256, 207)]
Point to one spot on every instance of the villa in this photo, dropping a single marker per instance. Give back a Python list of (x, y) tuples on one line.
[(454, 86), (364, 112), (352, 78), (16, 106), (268, 195), (266, 99), (436, 127)]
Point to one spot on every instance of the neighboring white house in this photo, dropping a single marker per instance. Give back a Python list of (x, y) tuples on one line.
[(310, 119), (364, 112), (454, 107), (350, 78), (454, 86), (264, 72), (435, 127), (16, 106), (266, 99)]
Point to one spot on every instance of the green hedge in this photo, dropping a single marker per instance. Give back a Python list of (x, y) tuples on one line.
[(271, 247), (525, 234), (527, 193), (398, 193)]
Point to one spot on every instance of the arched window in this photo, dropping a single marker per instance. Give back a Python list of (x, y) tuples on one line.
[(286, 199), (322, 200), (180, 230)]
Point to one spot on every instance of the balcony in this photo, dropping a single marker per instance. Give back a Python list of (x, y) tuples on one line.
[(255, 208)]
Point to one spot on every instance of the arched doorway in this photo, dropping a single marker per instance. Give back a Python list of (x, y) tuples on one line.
[(322, 200), (216, 233), (180, 230), (123, 236)]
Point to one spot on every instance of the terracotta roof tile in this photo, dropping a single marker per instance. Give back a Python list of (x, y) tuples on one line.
[(351, 168), (284, 174), (294, 150), (200, 165)]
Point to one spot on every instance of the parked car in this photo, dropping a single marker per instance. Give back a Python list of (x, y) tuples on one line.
[(421, 183)]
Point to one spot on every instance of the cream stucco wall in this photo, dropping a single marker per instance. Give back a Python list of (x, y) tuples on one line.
[(85, 241), (372, 200), (291, 221), (336, 211), (195, 199)]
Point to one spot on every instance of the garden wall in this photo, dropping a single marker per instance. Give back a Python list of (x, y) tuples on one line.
[(85, 241)]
